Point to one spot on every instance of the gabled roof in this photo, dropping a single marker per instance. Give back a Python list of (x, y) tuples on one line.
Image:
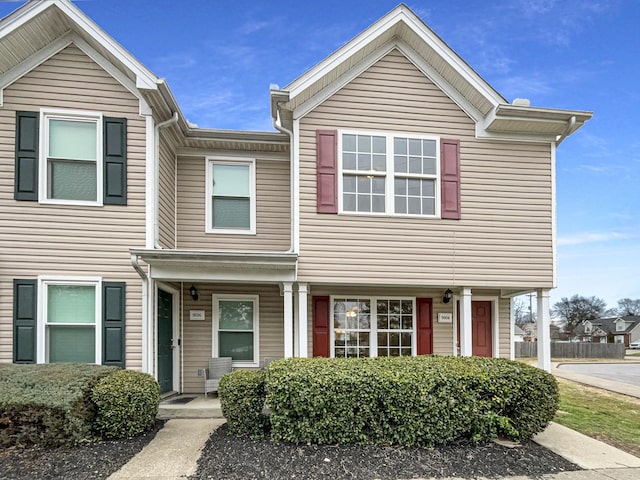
[(41, 28), (403, 30), (609, 323)]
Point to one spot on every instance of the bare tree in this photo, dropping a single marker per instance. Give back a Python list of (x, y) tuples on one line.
[(626, 306), (578, 309)]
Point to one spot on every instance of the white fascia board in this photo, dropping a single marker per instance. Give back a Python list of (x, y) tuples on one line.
[(144, 77), (399, 14), (336, 58), (41, 56), (22, 15), (374, 57)]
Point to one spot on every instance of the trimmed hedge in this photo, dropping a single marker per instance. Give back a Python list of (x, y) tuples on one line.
[(47, 404), (127, 403), (242, 396), (407, 400)]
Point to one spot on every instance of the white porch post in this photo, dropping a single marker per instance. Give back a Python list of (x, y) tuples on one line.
[(544, 331), (288, 319), (466, 349), (302, 320)]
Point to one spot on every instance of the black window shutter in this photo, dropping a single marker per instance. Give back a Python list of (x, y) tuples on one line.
[(115, 160), (113, 323), (26, 165), (25, 294)]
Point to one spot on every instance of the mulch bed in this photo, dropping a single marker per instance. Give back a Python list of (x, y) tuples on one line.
[(227, 457), (81, 462)]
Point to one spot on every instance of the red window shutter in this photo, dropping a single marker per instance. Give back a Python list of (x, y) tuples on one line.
[(450, 178), (425, 326), (327, 165), (321, 326)]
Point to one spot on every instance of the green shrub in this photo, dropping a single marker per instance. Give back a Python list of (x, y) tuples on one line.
[(127, 404), (407, 400), (47, 404), (242, 397)]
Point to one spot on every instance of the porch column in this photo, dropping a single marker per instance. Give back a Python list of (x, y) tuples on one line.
[(544, 331), (301, 332), (466, 349), (288, 319)]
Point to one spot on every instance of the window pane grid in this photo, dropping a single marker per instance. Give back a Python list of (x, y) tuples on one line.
[(352, 326), (236, 329), (355, 326), (412, 162)]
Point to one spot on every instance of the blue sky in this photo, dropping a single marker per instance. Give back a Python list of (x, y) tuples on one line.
[(220, 57)]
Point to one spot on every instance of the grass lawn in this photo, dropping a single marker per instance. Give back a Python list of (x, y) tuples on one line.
[(609, 417)]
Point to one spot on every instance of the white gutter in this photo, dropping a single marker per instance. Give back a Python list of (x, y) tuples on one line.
[(146, 362), (572, 123), (156, 179), (277, 124)]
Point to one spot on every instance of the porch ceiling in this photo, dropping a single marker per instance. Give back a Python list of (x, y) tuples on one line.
[(189, 265)]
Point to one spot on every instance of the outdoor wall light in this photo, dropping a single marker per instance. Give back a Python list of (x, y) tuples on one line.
[(194, 292), (448, 295)]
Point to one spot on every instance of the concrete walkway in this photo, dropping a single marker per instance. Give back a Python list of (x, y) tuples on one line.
[(173, 453)]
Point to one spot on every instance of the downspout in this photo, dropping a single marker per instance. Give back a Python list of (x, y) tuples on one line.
[(145, 309), (277, 124), (572, 123), (156, 177)]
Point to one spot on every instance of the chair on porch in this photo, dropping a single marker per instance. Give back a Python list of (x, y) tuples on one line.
[(213, 373)]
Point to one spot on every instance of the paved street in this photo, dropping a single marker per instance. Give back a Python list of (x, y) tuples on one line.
[(619, 372)]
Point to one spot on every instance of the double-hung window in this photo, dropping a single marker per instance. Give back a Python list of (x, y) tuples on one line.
[(70, 321), (72, 151), (389, 174), (235, 330), (231, 198), (369, 327)]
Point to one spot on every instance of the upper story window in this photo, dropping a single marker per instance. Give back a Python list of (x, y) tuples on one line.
[(390, 174), (621, 326), (231, 197), (72, 151), (70, 157)]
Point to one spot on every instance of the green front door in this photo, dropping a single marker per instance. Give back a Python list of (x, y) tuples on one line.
[(165, 340)]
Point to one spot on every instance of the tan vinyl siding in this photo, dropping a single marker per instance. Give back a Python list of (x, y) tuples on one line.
[(504, 238), (443, 333), (72, 240), (167, 193), (197, 337), (273, 207)]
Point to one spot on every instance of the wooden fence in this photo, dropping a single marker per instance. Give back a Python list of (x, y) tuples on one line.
[(573, 350)]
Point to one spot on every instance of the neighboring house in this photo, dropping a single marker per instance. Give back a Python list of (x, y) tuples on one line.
[(391, 214), (518, 334), (621, 329)]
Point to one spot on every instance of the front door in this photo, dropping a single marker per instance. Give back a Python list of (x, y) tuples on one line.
[(481, 337), (481, 329), (165, 341)]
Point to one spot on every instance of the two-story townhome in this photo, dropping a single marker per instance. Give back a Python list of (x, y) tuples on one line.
[(396, 208)]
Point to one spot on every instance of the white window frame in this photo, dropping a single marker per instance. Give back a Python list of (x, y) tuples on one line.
[(42, 340), (210, 162), (621, 325), (373, 330), (390, 175), (215, 351), (78, 115)]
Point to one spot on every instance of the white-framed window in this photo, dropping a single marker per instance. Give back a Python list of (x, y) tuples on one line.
[(620, 326), (69, 320), (71, 153), (618, 338), (385, 173), (235, 328), (231, 196), (373, 326)]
